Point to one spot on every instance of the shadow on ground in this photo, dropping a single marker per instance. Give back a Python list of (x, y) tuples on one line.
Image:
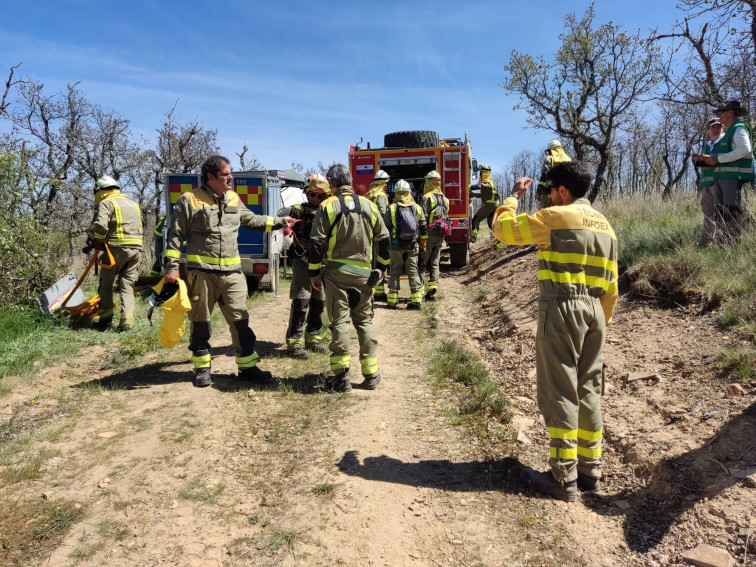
[(678, 483), (473, 476)]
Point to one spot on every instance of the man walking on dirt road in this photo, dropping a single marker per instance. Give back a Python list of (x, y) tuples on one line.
[(341, 245), (577, 280), (208, 219)]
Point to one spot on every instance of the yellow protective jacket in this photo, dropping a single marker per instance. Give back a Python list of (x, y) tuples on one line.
[(118, 220), (377, 194), (578, 252), (343, 239), (435, 205), (174, 322), (392, 224), (210, 226), (488, 193)]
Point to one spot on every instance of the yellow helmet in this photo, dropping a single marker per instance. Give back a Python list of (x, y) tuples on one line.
[(318, 184)]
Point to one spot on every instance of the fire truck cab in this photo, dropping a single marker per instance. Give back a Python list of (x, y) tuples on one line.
[(410, 156)]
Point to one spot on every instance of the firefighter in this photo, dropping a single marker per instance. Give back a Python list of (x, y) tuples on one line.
[(117, 232), (157, 247), (377, 194), (577, 280), (408, 239), (435, 206), (489, 198), (341, 249), (554, 154), (208, 219), (307, 304)]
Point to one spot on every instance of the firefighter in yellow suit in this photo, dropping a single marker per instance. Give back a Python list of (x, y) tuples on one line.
[(577, 280), (345, 229), (377, 194), (117, 231), (208, 218)]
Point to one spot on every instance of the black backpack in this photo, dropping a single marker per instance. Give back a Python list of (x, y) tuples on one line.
[(406, 223)]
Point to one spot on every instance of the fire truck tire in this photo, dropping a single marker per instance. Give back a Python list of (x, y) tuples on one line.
[(411, 139), (458, 254)]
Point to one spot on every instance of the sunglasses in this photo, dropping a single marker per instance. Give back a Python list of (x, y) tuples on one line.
[(314, 195)]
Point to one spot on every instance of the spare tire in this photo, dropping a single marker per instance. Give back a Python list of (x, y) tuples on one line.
[(411, 139)]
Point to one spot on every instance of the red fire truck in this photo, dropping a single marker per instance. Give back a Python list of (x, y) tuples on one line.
[(410, 155)]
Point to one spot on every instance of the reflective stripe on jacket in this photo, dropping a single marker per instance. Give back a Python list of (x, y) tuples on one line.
[(210, 226), (707, 173), (578, 254), (118, 220), (430, 204), (740, 168), (344, 240), (422, 226)]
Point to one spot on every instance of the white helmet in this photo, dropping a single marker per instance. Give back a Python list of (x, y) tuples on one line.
[(401, 185), (381, 175), (554, 144), (484, 167), (106, 182), (433, 175)]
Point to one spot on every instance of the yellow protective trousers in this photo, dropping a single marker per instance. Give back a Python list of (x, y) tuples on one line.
[(569, 366), (349, 297)]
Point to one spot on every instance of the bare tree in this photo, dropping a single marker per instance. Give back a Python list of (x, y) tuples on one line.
[(181, 148), (252, 164), (590, 90)]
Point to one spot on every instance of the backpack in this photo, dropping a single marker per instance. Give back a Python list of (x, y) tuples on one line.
[(438, 204), (406, 223), (356, 208)]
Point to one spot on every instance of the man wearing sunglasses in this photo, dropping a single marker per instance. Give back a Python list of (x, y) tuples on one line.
[(577, 282), (307, 304)]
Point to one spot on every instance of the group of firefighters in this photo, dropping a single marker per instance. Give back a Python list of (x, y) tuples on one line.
[(342, 247)]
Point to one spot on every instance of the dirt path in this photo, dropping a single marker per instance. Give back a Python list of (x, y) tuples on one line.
[(156, 472)]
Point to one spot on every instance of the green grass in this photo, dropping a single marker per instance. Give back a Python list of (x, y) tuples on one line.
[(738, 364), (658, 248), (323, 488), (197, 489), (482, 399)]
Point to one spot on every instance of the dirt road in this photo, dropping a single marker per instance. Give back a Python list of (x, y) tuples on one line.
[(152, 471)]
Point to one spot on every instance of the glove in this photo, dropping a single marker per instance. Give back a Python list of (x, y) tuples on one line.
[(375, 277), (423, 243)]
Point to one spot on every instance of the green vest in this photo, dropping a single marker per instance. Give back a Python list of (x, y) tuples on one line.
[(707, 173), (740, 168)]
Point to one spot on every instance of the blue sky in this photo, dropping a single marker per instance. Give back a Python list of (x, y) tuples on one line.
[(301, 81)]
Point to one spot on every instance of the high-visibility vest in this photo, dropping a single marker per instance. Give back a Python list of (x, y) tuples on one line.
[(740, 168)]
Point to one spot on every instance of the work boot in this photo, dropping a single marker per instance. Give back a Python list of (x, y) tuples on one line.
[(102, 324), (340, 382), (545, 483), (202, 377), (379, 297), (254, 374), (473, 238), (371, 382), (414, 306), (587, 483), (298, 351), (317, 347), (123, 327)]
